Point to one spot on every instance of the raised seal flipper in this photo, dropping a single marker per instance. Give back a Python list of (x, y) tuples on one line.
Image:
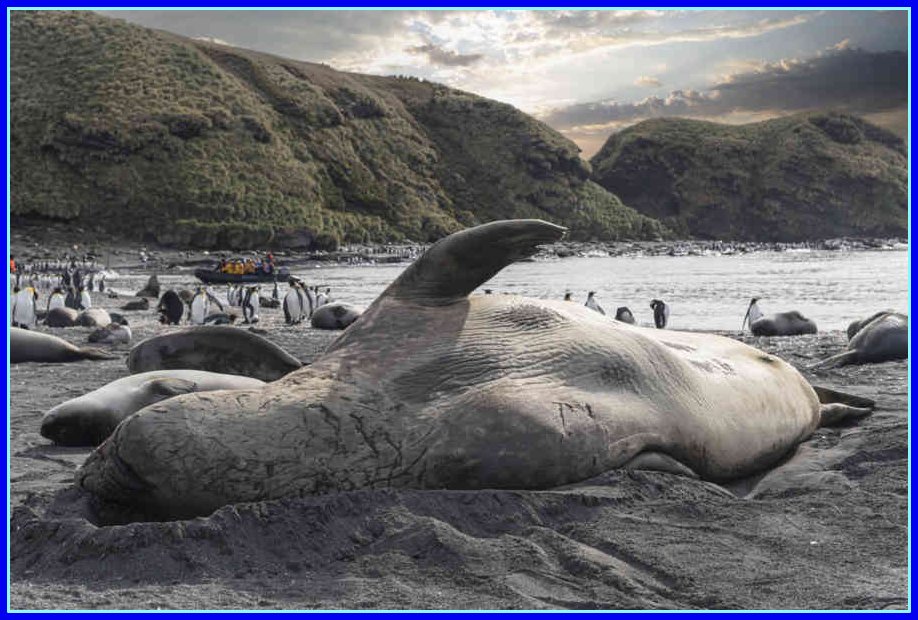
[(836, 413), (456, 265)]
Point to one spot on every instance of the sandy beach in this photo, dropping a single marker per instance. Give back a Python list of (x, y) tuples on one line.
[(829, 532)]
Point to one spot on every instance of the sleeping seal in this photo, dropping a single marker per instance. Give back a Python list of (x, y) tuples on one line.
[(61, 317), (88, 419), (335, 315), (790, 323), (213, 348), (882, 337), (436, 388), (32, 346)]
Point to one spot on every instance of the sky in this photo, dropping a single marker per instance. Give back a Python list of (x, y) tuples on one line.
[(590, 73)]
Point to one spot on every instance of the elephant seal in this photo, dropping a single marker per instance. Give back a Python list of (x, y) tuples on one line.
[(113, 333), (137, 304), (220, 318), (94, 317), (882, 337), (336, 315), (88, 419), (32, 346), (790, 323), (215, 349), (61, 317), (624, 315), (434, 388), (151, 289)]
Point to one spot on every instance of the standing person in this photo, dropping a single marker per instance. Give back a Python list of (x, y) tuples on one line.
[(12, 264), (592, 304)]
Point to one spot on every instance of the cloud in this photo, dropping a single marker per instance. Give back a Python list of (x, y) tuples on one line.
[(848, 79), (438, 56), (645, 80)]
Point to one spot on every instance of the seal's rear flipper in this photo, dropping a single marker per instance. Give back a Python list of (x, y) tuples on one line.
[(94, 353), (659, 461), (456, 265), (828, 397), (842, 359), (836, 413)]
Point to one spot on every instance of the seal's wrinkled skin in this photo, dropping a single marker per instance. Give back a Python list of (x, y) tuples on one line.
[(432, 388)]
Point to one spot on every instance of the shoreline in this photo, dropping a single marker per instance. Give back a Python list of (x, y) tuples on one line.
[(33, 242)]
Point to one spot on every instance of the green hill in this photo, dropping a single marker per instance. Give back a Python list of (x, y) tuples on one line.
[(196, 144), (795, 178)]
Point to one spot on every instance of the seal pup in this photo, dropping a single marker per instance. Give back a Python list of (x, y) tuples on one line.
[(171, 308), (61, 317), (151, 289), (336, 315), (790, 323), (882, 337), (624, 315), (216, 349), (94, 317), (436, 388), (113, 333), (142, 303), (220, 318), (592, 304), (32, 346), (88, 419), (660, 313)]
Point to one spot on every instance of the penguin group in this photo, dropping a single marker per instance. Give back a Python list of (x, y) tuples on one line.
[(623, 313)]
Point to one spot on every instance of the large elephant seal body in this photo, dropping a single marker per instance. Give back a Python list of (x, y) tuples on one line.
[(32, 346), (882, 337), (216, 349), (335, 315), (432, 388), (61, 317), (94, 317), (88, 419)]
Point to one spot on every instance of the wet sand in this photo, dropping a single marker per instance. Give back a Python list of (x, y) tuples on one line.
[(826, 530)]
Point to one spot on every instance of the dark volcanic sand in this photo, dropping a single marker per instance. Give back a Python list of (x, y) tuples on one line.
[(826, 530)]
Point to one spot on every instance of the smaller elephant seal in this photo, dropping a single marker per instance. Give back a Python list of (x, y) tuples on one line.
[(171, 308), (31, 346), (94, 317), (61, 317), (790, 323), (882, 337), (220, 318), (268, 302), (624, 315), (213, 348), (89, 419), (335, 315), (114, 333), (137, 304), (151, 289)]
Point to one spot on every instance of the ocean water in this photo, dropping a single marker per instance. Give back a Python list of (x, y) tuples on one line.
[(703, 292)]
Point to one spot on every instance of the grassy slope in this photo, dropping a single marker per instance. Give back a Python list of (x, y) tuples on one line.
[(800, 177), (200, 144)]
